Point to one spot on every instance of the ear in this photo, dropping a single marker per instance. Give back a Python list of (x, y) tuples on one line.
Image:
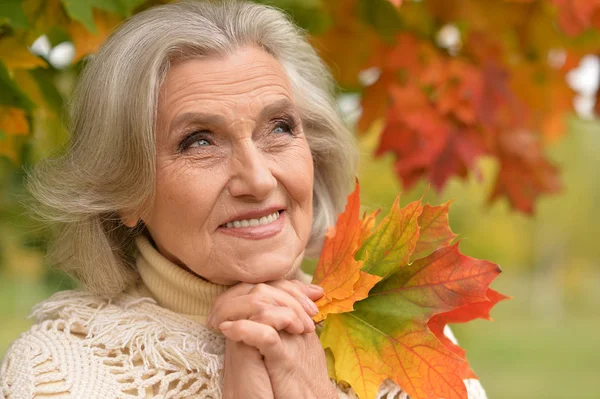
[(129, 221)]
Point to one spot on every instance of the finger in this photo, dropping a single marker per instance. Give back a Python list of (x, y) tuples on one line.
[(262, 309), (283, 298), (299, 291), (260, 336), (225, 298), (238, 308), (281, 319), (313, 291)]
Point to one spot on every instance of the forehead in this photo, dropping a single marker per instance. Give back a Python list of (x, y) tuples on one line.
[(242, 82)]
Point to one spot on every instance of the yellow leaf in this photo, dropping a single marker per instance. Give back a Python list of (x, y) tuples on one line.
[(13, 121), (43, 15), (15, 54)]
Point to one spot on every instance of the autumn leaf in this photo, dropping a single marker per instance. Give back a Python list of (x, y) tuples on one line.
[(347, 44), (464, 314), (576, 16), (524, 172), (387, 335), (87, 42), (16, 54), (394, 328), (394, 240), (434, 231), (13, 123), (338, 272)]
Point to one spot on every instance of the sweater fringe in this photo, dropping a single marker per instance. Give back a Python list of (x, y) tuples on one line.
[(124, 325)]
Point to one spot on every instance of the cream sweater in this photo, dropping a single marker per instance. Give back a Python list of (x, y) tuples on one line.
[(148, 342)]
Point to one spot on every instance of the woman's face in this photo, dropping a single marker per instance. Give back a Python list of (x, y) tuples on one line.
[(234, 176)]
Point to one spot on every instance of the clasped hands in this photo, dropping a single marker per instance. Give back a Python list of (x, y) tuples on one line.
[(272, 350)]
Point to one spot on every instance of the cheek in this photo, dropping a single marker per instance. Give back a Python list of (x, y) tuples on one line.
[(183, 194), (299, 181)]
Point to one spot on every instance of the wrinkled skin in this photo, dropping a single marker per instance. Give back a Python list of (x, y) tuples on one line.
[(230, 142)]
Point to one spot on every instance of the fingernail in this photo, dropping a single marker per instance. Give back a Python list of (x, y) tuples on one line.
[(313, 308), (225, 325), (315, 287)]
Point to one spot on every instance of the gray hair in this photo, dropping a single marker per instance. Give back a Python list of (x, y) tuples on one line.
[(108, 168)]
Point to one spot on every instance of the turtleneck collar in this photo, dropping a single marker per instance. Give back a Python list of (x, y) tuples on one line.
[(173, 287)]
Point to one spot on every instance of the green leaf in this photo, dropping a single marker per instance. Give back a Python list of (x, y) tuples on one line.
[(10, 94), (121, 7), (11, 11), (45, 80), (309, 14), (394, 240), (381, 15), (81, 10)]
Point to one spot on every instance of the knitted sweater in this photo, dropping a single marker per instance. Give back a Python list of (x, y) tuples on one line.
[(148, 342)]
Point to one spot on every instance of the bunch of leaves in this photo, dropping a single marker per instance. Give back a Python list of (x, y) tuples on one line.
[(498, 90), (390, 290), (31, 98)]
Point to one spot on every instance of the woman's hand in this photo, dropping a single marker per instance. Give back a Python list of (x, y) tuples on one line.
[(245, 375), (295, 364), (273, 320), (285, 305), (282, 305)]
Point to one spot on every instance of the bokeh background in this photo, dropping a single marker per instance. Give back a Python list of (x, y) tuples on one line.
[(542, 227)]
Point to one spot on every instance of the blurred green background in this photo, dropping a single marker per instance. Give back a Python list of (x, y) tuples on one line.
[(542, 344)]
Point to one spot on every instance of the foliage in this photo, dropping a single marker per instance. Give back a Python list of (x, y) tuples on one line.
[(498, 90), (385, 314)]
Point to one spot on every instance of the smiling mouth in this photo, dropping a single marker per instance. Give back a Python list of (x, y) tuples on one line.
[(263, 221)]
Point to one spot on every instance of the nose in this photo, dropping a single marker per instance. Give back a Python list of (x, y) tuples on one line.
[(251, 175)]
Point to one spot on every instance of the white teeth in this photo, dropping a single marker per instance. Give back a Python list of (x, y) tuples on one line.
[(254, 222)]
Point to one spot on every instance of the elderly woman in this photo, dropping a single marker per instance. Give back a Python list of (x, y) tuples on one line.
[(207, 158)]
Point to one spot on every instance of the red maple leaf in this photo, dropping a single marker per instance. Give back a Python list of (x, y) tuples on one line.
[(395, 331)]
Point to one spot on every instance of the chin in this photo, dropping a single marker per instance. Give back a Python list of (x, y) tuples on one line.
[(280, 270), (277, 274)]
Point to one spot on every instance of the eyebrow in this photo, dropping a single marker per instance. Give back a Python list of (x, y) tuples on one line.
[(276, 107), (203, 118), (196, 117)]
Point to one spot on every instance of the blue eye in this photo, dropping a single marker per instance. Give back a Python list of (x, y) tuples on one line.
[(282, 127), (202, 143), (195, 139)]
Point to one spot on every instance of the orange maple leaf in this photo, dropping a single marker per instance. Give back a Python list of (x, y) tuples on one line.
[(337, 271), (395, 332)]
